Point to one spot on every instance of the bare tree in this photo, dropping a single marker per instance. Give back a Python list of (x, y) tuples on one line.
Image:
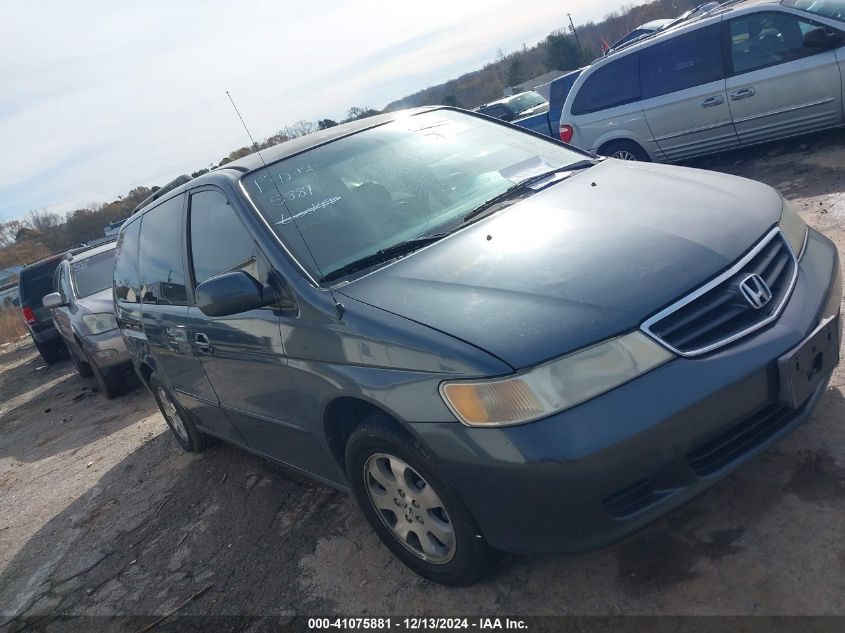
[(46, 226), (300, 128), (9, 232)]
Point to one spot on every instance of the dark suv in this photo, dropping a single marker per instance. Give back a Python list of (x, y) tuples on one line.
[(35, 281), (494, 341)]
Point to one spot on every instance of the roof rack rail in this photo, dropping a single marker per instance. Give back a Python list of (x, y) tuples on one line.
[(176, 182), (73, 250), (693, 13), (87, 246)]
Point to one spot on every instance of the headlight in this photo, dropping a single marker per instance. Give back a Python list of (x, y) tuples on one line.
[(99, 323), (556, 385), (793, 227)]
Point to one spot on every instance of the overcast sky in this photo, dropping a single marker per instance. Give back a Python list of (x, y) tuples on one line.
[(98, 97)]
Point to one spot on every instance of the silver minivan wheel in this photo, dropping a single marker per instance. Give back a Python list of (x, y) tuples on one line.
[(623, 154), (410, 508), (171, 414)]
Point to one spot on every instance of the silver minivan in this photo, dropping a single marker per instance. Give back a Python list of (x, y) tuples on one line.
[(744, 73)]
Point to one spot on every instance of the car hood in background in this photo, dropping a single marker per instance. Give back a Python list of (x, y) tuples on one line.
[(98, 302), (538, 109), (588, 258)]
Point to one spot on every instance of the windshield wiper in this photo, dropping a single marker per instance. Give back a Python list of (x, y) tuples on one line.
[(522, 185), (384, 255)]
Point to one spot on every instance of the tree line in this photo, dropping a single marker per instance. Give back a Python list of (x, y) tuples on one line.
[(559, 51), (43, 232)]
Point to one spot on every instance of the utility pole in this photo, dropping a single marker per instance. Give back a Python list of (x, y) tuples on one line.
[(575, 33)]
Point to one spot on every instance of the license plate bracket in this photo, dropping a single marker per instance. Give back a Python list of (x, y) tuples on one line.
[(802, 369)]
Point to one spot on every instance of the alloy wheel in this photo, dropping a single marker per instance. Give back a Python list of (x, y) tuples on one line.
[(171, 414), (624, 154), (410, 508)]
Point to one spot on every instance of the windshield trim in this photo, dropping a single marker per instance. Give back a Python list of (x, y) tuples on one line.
[(328, 286), (311, 279)]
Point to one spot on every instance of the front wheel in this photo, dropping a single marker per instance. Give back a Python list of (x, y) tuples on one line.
[(83, 367), (187, 434), (111, 383), (51, 351), (625, 150), (408, 503)]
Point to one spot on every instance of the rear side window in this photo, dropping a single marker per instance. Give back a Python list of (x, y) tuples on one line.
[(161, 257), (614, 84), (219, 242), (691, 59), (127, 280)]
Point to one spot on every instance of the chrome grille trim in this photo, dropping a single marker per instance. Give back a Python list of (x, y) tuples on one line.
[(647, 325)]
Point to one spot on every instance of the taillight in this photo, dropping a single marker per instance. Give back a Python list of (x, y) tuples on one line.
[(566, 132), (29, 316)]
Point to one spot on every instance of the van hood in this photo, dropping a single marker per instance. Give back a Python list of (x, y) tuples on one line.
[(537, 109), (98, 302), (585, 259)]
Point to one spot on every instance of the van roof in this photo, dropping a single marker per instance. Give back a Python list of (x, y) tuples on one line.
[(70, 252), (297, 145), (75, 256), (645, 40), (278, 152)]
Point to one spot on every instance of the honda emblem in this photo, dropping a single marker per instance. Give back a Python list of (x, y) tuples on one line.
[(755, 291)]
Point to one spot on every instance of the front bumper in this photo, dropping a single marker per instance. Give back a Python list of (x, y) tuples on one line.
[(593, 474), (108, 351)]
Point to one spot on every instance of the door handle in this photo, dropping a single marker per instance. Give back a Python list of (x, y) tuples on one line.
[(713, 101), (745, 93), (202, 343)]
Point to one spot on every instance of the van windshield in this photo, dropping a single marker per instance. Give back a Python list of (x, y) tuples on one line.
[(415, 176), (92, 274), (833, 9)]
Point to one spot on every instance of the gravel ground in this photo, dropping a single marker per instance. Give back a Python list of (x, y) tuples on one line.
[(103, 514)]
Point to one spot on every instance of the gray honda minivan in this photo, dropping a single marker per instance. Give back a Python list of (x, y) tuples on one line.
[(495, 341)]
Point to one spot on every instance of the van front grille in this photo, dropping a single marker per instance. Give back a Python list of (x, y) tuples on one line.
[(719, 312)]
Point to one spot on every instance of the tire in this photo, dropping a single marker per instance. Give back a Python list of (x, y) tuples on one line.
[(625, 150), (183, 428), (441, 539), (52, 351), (83, 367), (111, 383)]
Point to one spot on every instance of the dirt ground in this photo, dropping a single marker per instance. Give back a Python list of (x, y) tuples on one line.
[(101, 512)]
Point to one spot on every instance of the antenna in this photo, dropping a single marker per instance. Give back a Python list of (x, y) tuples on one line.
[(254, 144), (338, 306)]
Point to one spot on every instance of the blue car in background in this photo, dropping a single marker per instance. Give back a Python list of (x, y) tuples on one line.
[(547, 122)]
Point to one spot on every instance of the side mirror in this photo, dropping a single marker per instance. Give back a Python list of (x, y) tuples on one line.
[(232, 293), (822, 39), (16, 302), (53, 300)]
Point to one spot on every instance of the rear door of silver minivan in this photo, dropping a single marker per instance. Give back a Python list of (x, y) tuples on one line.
[(778, 85), (685, 100)]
